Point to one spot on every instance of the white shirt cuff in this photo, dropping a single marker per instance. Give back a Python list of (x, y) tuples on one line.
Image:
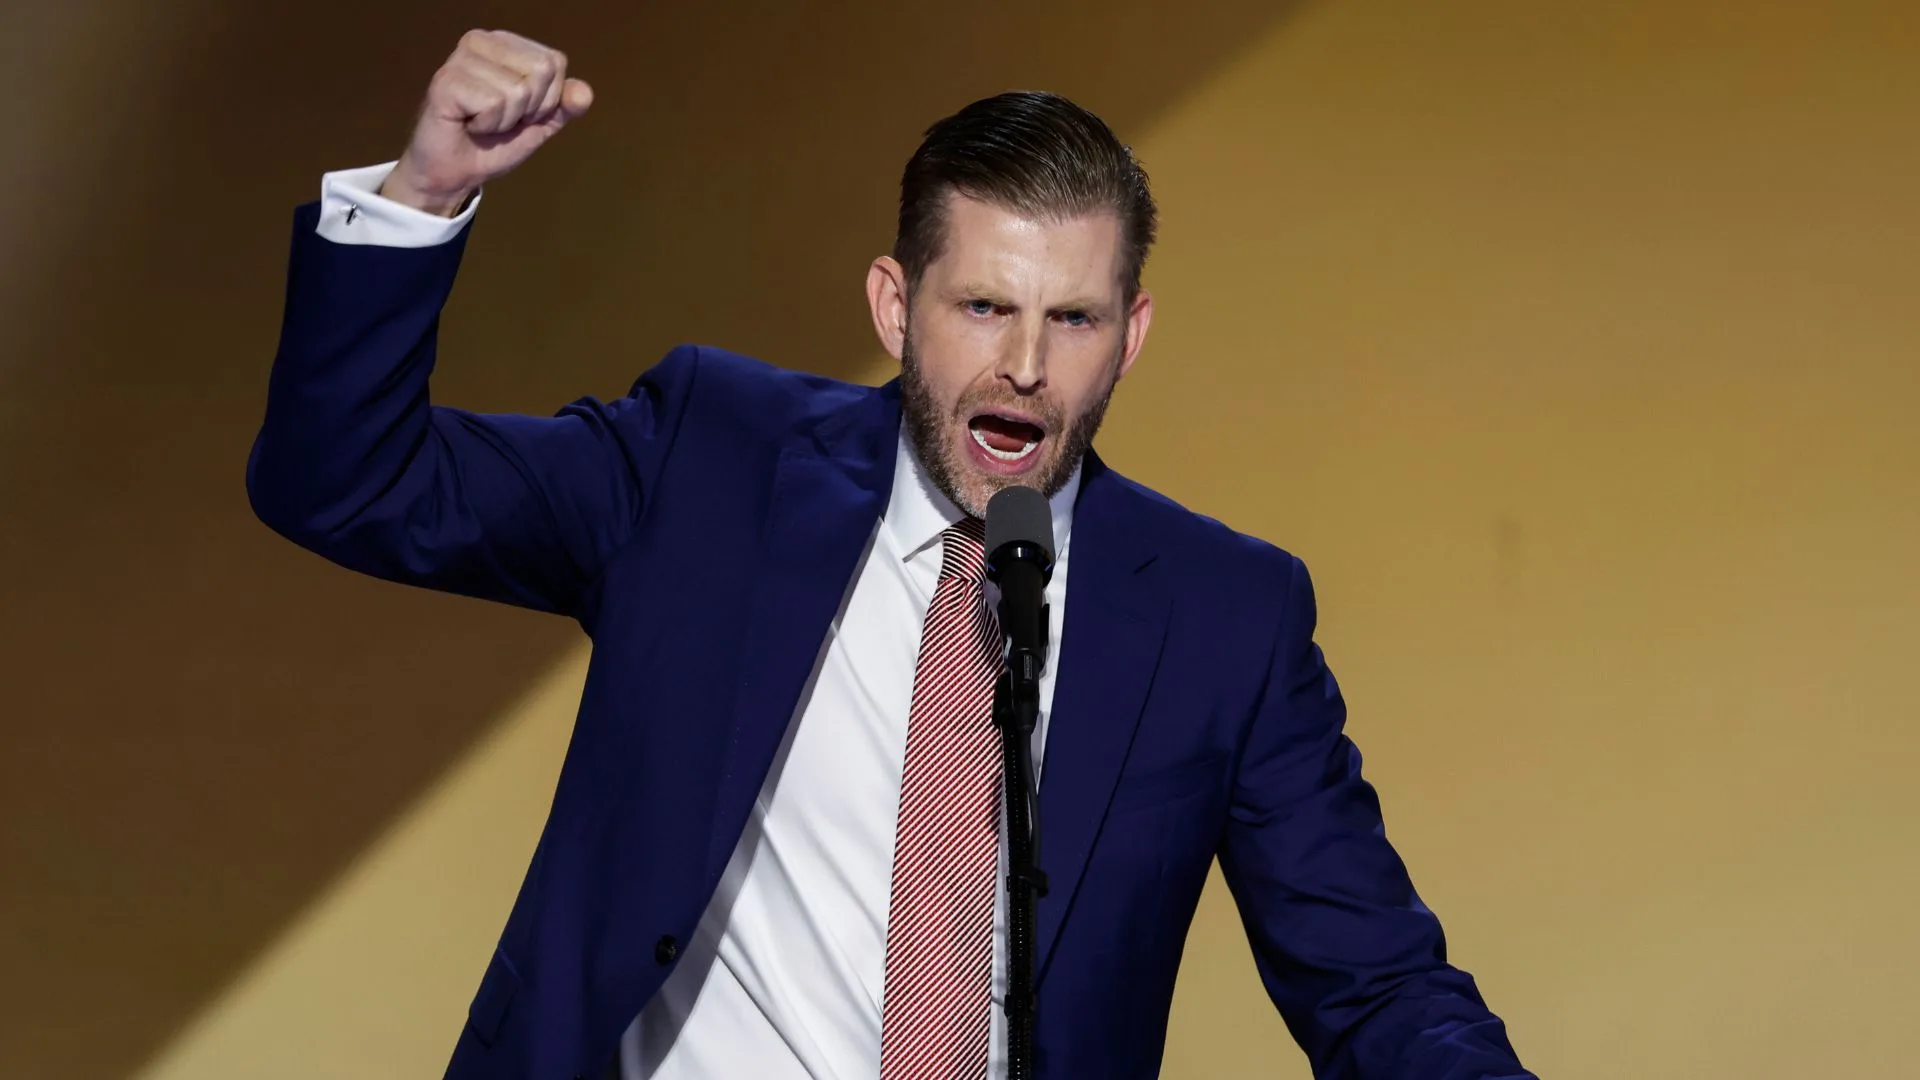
[(352, 213)]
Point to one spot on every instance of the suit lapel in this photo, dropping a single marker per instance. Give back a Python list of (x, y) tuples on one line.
[(827, 493), (826, 496), (1116, 621)]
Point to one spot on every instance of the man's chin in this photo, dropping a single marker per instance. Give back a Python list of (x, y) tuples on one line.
[(979, 480)]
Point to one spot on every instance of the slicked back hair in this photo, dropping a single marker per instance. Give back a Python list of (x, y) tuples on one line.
[(1037, 154)]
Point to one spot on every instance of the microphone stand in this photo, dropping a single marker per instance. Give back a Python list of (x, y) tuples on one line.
[(1016, 709)]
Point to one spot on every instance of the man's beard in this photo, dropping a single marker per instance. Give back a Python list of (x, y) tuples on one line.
[(933, 445)]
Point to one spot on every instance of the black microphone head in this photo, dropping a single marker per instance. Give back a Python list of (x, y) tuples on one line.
[(1020, 516)]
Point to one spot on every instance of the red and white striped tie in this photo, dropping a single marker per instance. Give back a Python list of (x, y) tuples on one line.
[(937, 1001)]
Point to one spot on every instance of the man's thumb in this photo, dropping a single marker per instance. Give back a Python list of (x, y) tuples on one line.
[(576, 97)]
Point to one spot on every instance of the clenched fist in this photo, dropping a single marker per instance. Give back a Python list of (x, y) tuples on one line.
[(495, 101)]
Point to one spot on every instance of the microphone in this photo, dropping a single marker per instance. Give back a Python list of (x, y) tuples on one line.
[(1020, 561)]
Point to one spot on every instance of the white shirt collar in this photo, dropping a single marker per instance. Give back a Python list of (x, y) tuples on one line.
[(917, 513)]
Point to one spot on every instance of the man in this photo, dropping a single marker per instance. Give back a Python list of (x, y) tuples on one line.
[(775, 845)]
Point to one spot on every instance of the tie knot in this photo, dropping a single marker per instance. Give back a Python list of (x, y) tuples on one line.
[(964, 550)]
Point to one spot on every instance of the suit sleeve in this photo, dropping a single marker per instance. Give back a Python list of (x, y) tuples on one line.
[(1354, 961), (355, 463)]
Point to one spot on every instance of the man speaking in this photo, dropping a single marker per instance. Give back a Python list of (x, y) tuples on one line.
[(778, 847)]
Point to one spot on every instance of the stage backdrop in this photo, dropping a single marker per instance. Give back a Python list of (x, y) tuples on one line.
[(1573, 346)]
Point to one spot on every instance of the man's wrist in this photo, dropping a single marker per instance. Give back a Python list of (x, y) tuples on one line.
[(401, 188)]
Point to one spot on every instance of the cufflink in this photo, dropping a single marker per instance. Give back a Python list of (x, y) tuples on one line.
[(353, 211)]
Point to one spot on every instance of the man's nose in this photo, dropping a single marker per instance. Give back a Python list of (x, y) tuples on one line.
[(1025, 363)]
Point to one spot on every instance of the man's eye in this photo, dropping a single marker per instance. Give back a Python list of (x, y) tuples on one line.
[(980, 307), (1076, 318)]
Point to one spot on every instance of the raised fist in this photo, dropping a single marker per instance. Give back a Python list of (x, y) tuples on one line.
[(495, 101)]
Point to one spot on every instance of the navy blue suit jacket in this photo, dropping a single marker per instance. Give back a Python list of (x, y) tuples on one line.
[(703, 530)]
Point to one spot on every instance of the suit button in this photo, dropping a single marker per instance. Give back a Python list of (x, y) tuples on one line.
[(665, 950)]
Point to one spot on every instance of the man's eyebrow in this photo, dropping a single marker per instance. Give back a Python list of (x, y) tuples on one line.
[(1087, 304), (976, 291)]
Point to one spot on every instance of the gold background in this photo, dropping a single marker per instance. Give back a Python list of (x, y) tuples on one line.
[(1574, 346)]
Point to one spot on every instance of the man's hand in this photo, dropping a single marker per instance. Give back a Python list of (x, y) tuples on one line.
[(495, 101)]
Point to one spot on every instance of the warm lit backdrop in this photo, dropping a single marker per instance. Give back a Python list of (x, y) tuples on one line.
[(1574, 347)]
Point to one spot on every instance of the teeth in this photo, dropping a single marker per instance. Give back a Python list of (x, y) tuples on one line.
[(1004, 455)]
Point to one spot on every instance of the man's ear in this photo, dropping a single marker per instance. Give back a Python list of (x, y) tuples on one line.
[(887, 299), (1139, 318)]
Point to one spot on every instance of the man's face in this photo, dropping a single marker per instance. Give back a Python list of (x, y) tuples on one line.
[(1010, 347)]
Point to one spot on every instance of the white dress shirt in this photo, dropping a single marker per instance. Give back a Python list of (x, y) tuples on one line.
[(783, 978)]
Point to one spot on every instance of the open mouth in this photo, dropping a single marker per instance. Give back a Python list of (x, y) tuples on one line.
[(1004, 437)]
